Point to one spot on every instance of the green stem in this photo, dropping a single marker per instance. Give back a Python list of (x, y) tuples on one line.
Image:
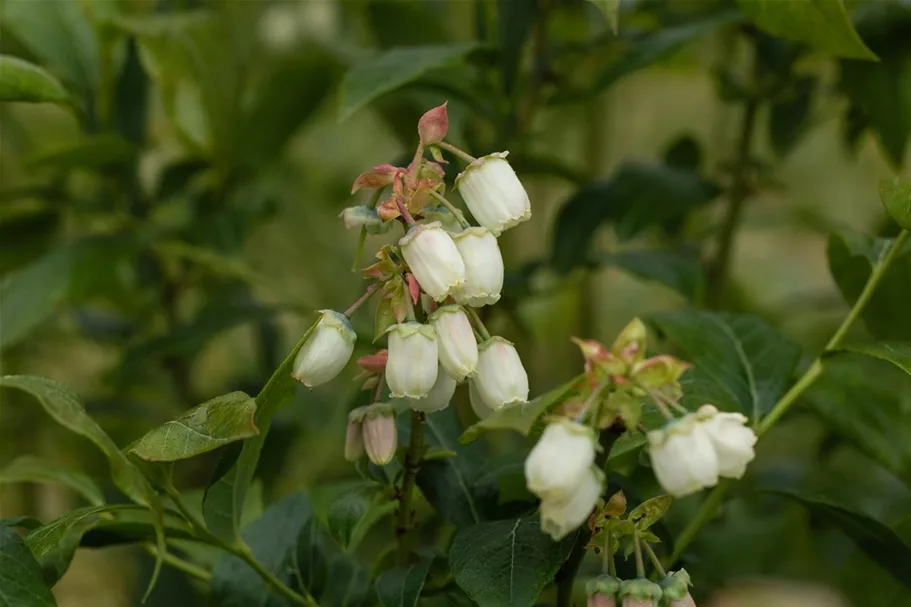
[(452, 209), (637, 545), (477, 322), (656, 562), (813, 372), (412, 465), (592, 398), (362, 299), (181, 565), (454, 150)]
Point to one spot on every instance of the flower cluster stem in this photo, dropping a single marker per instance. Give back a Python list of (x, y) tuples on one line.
[(456, 151), (640, 565), (656, 562), (478, 323), (452, 209), (178, 563), (412, 465), (813, 372), (362, 299)]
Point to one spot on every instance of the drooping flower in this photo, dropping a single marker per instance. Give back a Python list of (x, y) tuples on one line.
[(501, 379), (561, 515), (438, 397), (602, 591), (354, 435), (732, 439), (640, 593), (434, 259), (561, 458), (683, 456), (478, 405), (456, 343), (483, 267), (675, 590), (493, 193), (411, 368), (380, 435), (326, 351)]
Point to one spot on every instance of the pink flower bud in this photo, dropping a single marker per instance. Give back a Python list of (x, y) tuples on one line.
[(380, 436), (354, 440), (601, 600), (433, 125), (640, 593), (378, 177), (686, 601), (374, 363)]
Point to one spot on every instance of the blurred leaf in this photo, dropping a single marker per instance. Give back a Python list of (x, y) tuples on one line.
[(26, 522), (896, 197), (311, 560), (897, 353), (506, 563), (788, 117), (24, 81), (514, 20), (611, 10), (21, 584), (224, 499), (26, 233), (678, 270), (131, 97), (31, 469), (877, 540), (371, 78), (356, 510), (398, 23), (214, 423), (95, 152), (520, 417), (547, 165), (637, 196), (177, 176), (348, 584), (401, 586), (851, 260), (684, 153), (59, 34), (273, 541), (824, 24), (650, 511), (740, 362)]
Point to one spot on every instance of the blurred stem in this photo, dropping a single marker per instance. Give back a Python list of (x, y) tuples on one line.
[(595, 148), (403, 210), (656, 562), (362, 237), (178, 563), (452, 209), (637, 546), (813, 372), (473, 315), (412, 465), (532, 93)]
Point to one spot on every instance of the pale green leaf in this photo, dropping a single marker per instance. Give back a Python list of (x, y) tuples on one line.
[(24, 81), (30, 469)]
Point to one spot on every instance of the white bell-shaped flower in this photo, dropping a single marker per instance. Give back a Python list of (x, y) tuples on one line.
[(438, 397), (380, 435), (456, 343), (434, 259), (483, 267), (493, 193), (326, 351), (560, 516), (501, 379), (411, 366), (683, 456), (560, 459), (732, 438), (480, 408)]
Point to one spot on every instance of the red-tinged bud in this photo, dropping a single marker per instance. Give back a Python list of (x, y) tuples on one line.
[(602, 591), (591, 349), (379, 434), (433, 125), (388, 209), (414, 289), (430, 168), (599, 357), (374, 363), (370, 383), (378, 177), (631, 342)]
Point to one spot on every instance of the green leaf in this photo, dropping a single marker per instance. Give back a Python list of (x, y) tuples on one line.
[(637, 196), (897, 353), (273, 541), (788, 117), (896, 197), (21, 584), (679, 270), (30, 469), (611, 10), (59, 34), (24, 81), (215, 423), (506, 563), (224, 499), (650, 511), (851, 261), (520, 417), (740, 362), (877, 540), (356, 510), (401, 586), (823, 24), (94, 152), (393, 69), (514, 22)]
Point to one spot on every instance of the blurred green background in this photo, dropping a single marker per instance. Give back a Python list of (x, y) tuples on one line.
[(166, 233)]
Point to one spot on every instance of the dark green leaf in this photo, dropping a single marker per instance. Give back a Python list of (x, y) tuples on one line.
[(30, 469), (823, 24), (95, 152), (788, 117), (24, 81), (514, 20), (356, 510), (678, 270), (348, 585), (26, 522), (520, 417), (21, 584), (312, 557), (393, 69), (851, 261), (506, 563), (59, 34), (224, 499), (273, 541), (740, 362), (398, 23), (897, 353), (684, 153), (401, 586), (637, 196), (213, 424), (896, 197)]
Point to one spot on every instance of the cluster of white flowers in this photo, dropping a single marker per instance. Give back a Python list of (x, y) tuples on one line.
[(690, 453)]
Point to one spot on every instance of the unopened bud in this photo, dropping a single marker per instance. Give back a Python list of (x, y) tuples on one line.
[(380, 435), (434, 259), (675, 590), (602, 591), (354, 437), (483, 267), (433, 125), (456, 343), (631, 342), (438, 397), (493, 193), (362, 216), (616, 505), (411, 369), (501, 379), (326, 351), (640, 593)]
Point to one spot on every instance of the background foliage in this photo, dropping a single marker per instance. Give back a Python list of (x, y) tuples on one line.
[(171, 176)]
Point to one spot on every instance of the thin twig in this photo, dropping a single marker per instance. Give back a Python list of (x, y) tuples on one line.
[(412, 465), (362, 299), (452, 209)]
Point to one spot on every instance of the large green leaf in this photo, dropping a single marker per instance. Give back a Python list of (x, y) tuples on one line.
[(24, 81), (851, 261), (373, 77), (224, 499), (506, 563), (739, 362), (30, 469), (514, 22), (897, 353), (896, 197), (95, 152), (59, 34), (679, 270), (21, 584), (215, 423), (401, 586), (353, 512)]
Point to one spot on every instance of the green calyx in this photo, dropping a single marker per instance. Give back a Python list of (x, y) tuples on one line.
[(641, 589), (604, 584)]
